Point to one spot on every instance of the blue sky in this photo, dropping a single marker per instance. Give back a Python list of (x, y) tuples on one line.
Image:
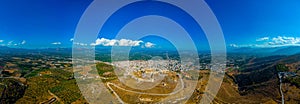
[(245, 23), (39, 22)]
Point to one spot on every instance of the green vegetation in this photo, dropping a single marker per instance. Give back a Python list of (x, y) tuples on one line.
[(26, 68), (67, 91), (33, 73), (230, 69), (57, 81), (281, 68), (294, 81), (104, 68)]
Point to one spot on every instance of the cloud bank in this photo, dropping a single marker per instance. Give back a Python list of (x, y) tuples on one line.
[(12, 43), (121, 42), (149, 45), (285, 41), (267, 42), (263, 39), (56, 43)]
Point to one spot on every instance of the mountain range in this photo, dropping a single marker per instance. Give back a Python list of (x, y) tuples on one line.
[(287, 50)]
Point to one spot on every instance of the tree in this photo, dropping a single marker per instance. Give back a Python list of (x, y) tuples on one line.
[(281, 68)]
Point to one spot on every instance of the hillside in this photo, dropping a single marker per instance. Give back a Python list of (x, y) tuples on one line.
[(51, 84), (259, 78), (11, 90)]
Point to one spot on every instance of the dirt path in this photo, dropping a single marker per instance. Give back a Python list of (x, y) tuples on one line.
[(109, 86)]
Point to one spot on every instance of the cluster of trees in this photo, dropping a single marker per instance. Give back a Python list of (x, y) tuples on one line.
[(67, 91), (103, 68), (56, 81), (281, 68), (294, 81)]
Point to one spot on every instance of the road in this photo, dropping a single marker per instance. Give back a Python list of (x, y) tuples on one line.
[(280, 88), (53, 99)]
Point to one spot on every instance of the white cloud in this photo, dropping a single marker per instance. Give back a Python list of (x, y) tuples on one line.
[(115, 42), (126, 42), (285, 40), (82, 44), (1, 41), (234, 45), (10, 43), (149, 45), (263, 39), (77, 43), (56, 43), (23, 42), (279, 41)]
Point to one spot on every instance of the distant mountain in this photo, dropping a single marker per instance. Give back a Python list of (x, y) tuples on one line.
[(4, 47), (288, 50), (252, 50)]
